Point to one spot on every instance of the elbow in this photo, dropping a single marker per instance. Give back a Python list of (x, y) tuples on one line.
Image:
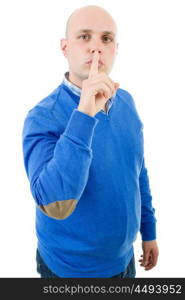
[(59, 209)]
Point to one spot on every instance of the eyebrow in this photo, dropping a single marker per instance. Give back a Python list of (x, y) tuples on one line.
[(90, 31)]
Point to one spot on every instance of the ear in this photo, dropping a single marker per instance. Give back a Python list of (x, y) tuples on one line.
[(63, 46)]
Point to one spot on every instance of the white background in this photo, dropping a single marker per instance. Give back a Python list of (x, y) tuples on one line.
[(150, 65)]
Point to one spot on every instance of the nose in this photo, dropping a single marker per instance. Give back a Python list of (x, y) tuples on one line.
[(93, 50)]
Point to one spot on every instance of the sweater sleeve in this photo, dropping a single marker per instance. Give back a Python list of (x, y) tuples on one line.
[(57, 165), (148, 220)]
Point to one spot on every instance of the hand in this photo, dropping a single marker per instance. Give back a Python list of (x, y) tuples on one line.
[(150, 254), (96, 90)]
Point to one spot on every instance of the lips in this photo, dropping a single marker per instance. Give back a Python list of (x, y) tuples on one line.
[(90, 61)]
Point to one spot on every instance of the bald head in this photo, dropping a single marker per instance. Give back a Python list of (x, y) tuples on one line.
[(88, 29), (97, 13)]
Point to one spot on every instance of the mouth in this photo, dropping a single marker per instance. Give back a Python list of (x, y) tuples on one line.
[(89, 62)]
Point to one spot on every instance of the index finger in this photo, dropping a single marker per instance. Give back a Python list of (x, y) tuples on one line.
[(94, 65)]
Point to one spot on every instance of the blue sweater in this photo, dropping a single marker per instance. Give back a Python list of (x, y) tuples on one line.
[(98, 164)]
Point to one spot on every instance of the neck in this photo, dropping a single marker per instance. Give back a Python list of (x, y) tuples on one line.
[(73, 79)]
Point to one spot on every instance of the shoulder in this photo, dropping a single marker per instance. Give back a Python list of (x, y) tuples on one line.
[(127, 100), (125, 96), (47, 103), (41, 116), (46, 106)]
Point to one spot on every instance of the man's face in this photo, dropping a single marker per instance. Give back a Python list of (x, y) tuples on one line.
[(89, 32)]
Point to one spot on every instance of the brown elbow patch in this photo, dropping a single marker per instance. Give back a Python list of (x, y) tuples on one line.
[(59, 209)]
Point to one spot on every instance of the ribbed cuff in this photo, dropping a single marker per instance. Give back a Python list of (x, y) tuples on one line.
[(81, 126), (148, 231)]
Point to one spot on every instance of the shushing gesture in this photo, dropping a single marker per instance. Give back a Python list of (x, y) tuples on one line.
[(96, 90)]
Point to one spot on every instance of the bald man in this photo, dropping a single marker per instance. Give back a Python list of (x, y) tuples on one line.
[(84, 157)]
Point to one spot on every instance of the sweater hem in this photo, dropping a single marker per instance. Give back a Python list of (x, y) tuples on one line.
[(116, 269)]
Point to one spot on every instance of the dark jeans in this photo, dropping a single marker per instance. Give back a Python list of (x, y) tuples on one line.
[(45, 272)]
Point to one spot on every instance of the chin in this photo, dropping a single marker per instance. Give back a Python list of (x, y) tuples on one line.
[(84, 75)]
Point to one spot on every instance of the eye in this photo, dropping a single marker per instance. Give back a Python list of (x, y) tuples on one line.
[(85, 37), (107, 39)]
